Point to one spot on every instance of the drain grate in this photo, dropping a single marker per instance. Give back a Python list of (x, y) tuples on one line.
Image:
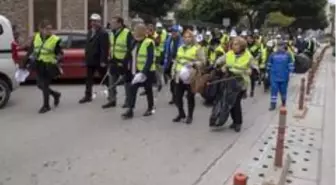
[(295, 181), (304, 137)]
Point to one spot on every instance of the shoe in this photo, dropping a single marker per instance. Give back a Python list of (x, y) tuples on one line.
[(57, 98), (109, 105), (188, 120), (44, 109), (235, 127), (143, 93), (85, 99), (149, 112), (272, 107), (159, 88), (128, 114), (178, 118), (171, 102), (124, 106)]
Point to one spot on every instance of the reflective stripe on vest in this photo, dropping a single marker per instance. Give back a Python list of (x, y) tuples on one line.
[(185, 55), (47, 52), (142, 55), (160, 48), (120, 44)]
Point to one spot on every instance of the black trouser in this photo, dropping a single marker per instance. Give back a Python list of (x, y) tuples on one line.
[(236, 110), (253, 78), (148, 86), (172, 89), (90, 72), (116, 73), (45, 74), (180, 89)]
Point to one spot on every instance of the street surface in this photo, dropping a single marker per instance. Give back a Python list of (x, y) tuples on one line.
[(85, 145)]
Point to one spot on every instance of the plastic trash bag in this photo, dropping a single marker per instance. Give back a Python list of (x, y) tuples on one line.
[(302, 63), (185, 74), (139, 78), (21, 75), (224, 101)]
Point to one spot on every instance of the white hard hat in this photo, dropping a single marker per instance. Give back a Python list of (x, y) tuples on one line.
[(159, 25), (199, 38), (278, 36), (95, 17), (270, 43), (244, 33), (208, 33), (256, 31), (233, 33), (299, 37)]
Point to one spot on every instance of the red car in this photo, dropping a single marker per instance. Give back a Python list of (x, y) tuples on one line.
[(73, 43)]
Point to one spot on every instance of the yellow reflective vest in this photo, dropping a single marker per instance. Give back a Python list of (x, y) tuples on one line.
[(225, 39), (215, 54), (239, 66), (142, 55), (160, 48), (185, 55), (46, 49), (264, 58), (118, 44)]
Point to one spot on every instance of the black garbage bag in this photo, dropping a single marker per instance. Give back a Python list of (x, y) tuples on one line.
[(302, 63), (210, 91), (228, 91)]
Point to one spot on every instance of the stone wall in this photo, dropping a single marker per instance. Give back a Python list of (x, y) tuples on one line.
[(73, 14), (17, 12)]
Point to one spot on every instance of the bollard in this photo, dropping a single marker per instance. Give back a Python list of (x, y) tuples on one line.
[(302, 94), (279, 149), (240, 179)]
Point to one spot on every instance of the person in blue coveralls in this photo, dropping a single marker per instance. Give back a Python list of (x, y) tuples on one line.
[(279, 67), (173, 42)]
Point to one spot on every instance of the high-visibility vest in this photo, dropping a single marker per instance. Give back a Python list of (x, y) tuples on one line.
[(239, 66), (119, 44), (160, 47), (142, 55), (225, 39), (46, 50), (216, 53), (185, 54), (264, 57)]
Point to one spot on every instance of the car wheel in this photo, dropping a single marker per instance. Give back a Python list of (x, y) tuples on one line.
[(4, 93)]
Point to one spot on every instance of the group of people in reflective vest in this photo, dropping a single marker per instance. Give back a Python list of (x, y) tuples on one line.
[(150, 56)]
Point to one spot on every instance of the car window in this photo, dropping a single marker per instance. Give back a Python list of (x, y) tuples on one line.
[(65, 40), (78, 41), (1, 30)]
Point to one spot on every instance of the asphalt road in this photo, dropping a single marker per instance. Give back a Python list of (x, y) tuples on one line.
[(85, 145)]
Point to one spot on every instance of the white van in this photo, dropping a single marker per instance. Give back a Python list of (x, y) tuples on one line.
[(8, 53)]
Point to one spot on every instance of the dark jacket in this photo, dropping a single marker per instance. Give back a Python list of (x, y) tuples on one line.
[(97, 48)]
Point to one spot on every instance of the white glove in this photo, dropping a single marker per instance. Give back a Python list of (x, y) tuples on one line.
[(139, 78)]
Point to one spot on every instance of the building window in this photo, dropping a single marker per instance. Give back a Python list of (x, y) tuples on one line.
[(45, 9), (95, 6)]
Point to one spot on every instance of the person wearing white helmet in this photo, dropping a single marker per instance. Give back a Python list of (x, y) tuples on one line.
[(96, 54), (160, 41)]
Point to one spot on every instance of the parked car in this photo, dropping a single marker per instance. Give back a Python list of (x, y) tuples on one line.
[(8, 82), (73, 43)]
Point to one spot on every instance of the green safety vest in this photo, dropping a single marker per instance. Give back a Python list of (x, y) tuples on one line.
[(118, 43), (225, 39), (184, 56), (46, 50), (142, 55), (264, 57), (160, 48), (215, 54), (239, 66)]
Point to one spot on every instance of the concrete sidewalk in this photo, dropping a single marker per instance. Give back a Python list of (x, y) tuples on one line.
[(309, 141)]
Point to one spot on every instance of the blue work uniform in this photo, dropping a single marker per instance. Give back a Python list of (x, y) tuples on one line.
[(279, 67)]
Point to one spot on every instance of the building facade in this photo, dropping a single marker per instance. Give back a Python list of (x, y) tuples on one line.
[(64, 14)]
